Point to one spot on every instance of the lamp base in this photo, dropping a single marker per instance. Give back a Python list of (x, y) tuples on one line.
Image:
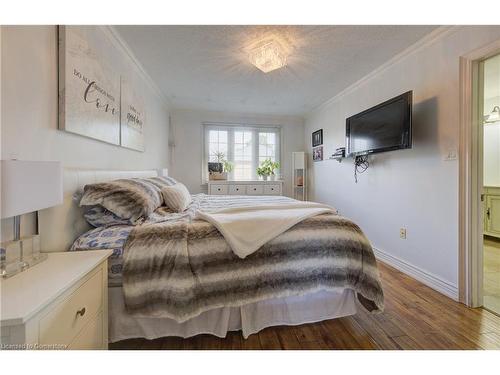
[(11, 269)]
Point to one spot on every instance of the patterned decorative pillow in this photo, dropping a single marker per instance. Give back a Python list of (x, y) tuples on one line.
[(132, 199), (98, 216), (177, 197), (103, 238)]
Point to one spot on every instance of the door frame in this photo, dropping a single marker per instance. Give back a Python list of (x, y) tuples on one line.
[(471, 176)]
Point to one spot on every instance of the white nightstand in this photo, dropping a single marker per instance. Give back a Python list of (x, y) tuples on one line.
[(61, 303)]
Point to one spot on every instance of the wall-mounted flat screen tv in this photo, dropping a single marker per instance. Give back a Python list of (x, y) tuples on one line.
[(385, 127)]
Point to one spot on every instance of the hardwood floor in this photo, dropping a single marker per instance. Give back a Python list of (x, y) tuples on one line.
[(415, 317), (491, 273)]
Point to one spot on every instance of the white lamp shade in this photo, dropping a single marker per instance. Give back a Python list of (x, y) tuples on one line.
[(29, 186)]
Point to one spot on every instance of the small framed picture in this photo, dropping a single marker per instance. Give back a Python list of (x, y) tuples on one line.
[(317, 138), (318, 153)]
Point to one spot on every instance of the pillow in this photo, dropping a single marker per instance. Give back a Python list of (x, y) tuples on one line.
[(102, 238), (160, 183), (98, 216), (132, 199), (176, 197)]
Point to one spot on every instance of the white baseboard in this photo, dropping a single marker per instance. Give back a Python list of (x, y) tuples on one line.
[(432, 281)]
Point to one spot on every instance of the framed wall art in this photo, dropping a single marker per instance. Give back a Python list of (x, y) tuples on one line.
[(89, 88), (132, 116), (318, 153), (317, 138), (100, 93)]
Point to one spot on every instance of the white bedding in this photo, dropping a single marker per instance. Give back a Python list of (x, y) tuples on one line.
[(248, 228), (249, 319)]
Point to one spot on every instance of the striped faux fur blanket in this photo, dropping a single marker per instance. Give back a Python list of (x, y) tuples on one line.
[(180, 268)]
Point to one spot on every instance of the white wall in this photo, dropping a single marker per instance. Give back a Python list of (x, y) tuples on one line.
[(186, 163), (29, 113), (416, 189)]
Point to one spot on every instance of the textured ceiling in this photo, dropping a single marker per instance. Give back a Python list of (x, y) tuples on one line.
[(207, 67)]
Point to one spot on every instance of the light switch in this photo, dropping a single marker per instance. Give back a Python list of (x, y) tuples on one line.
[(451, 154)]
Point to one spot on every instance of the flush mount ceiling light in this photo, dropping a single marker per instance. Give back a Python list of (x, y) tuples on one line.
[(268, 55), (494, 116)]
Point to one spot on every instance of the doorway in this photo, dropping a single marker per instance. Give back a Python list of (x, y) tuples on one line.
[(490, 98), (473, 199)]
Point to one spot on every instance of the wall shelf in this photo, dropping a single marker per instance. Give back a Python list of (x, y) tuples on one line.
[(338, 158), (299, 165)]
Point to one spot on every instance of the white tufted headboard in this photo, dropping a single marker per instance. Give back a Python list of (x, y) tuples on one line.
[(59, 226)]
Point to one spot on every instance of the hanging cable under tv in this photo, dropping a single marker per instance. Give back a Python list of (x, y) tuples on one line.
[(361, 164)]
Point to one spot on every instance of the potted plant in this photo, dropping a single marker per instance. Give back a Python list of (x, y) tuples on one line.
[(274, 167), (262, 172), (227, 166), (218, 170), (267, 168)]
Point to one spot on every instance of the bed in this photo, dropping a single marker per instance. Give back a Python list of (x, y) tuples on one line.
[(258, 291)]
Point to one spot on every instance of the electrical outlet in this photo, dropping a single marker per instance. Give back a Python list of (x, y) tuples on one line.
[(402, 233)]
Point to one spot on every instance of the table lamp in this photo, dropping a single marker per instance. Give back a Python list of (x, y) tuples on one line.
[(27, 186)]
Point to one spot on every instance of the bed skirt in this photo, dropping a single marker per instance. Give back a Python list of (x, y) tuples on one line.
[(249, 318)]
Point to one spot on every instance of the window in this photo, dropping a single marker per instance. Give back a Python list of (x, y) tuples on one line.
[(267, 146), (243, 155), (245, 146), (217, 144)]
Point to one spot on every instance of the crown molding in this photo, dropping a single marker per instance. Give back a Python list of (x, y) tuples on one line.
[(429, 39), (118, 40)]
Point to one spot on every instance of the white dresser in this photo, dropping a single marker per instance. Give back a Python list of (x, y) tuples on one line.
[(61, 303), (257, 187)]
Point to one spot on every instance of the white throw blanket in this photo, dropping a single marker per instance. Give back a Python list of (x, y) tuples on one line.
[(246, 229)]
